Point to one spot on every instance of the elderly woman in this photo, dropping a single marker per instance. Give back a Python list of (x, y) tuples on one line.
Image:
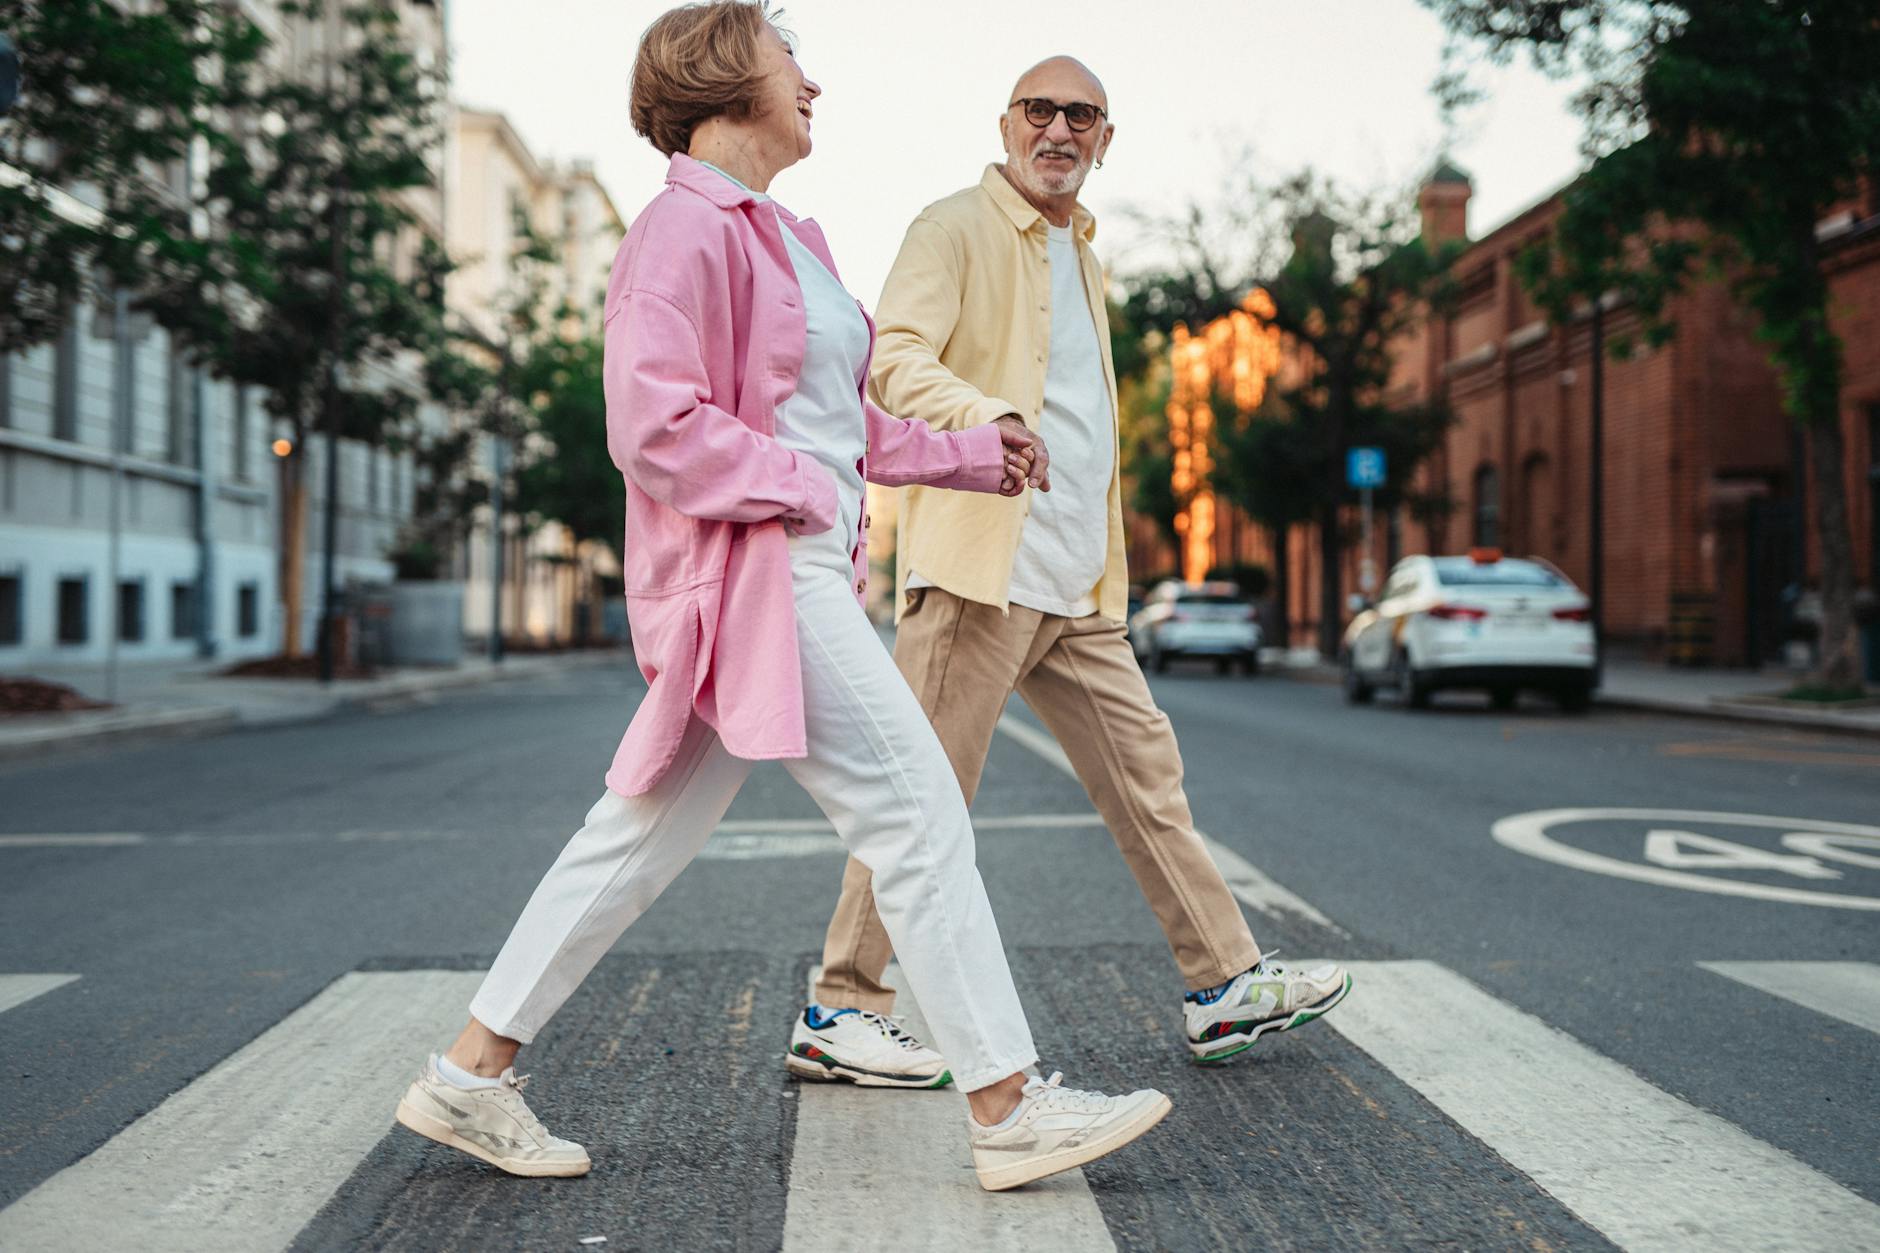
[(736, 364)]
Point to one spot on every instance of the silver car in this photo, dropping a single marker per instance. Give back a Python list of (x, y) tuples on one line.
[(1211, 620)]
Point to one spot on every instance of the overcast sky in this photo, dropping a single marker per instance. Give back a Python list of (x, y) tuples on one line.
[(912, 94)]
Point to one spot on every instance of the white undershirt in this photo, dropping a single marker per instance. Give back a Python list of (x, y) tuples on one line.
[(1066, 541), (823, 417)]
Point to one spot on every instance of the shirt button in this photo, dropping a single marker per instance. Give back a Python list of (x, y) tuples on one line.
[(868, 519), (859, 585)]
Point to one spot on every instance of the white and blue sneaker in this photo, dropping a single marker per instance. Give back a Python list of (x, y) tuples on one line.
[(1228, 1019), (865, 1048)]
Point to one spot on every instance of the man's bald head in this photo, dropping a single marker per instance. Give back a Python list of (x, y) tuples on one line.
[(1049, 163), (1061, 74)]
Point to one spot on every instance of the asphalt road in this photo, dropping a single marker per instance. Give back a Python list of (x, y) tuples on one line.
[(268, 929)]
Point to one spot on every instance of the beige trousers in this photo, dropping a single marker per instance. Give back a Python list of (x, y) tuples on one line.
[(963, 660)]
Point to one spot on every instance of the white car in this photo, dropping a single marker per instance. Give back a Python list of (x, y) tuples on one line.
[(1481, 621), (1197, 620)]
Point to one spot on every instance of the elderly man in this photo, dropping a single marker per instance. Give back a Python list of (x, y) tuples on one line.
[(994, 312)]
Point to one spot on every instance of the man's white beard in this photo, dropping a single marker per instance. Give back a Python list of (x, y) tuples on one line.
[(1045, 182)]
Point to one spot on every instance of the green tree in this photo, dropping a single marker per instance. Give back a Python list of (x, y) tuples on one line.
[(111, 103), (1348, 276), (1747, 119), (566, 473), (314, 271)]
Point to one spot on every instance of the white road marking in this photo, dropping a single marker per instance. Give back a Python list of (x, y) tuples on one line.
[(244, 1156), (1528, 833), (1646, 1169), (1244, 879), (1849, 991), (99, 840), (876, 1168), (16, 990)]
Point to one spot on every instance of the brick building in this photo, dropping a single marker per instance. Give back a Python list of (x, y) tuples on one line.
[(1705, 512)]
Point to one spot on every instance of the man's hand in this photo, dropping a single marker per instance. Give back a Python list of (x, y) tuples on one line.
[(1026, 461)]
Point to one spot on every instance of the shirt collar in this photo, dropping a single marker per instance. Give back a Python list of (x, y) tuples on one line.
[(1023, 213)]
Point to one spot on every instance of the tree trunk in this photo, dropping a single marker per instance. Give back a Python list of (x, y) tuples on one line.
[(1282, 587), (1331, 584), (1838, 667), (293, 547)]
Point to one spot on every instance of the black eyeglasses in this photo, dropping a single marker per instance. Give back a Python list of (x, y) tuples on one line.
[(1041, 112)]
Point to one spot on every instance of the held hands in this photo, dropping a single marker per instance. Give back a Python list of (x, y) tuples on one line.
[(1026, 461)]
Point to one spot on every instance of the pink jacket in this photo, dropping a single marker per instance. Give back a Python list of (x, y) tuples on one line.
[(704, 339)]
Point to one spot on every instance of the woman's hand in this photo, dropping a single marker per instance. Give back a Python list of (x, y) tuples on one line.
[(1026, 461)]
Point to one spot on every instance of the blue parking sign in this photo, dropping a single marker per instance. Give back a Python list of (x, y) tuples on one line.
[(1364, 467)]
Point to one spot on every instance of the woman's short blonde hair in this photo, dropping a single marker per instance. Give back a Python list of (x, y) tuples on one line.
[(695, 62)]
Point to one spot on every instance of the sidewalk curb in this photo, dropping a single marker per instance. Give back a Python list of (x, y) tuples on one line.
[(1731, 711), (1716, 710), (128, 724), (125, 725)]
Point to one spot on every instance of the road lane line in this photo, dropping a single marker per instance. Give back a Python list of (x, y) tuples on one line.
[(100, 840), (16, 990), (883, 1169), (1244, 879), (1646, 1169), (1849, 991), (241, 1158)]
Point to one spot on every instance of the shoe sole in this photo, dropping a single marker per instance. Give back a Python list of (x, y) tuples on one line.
[(834, 1072), (1018, 1174), (439, 1130), (1238, 1044)]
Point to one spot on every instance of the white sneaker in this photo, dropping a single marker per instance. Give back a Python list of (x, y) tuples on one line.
[(1058, 1128), (1270, 997), (493, 1124), (865, 1048)]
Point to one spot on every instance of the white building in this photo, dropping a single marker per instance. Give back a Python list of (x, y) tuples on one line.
[(547, 577), (186, 493)]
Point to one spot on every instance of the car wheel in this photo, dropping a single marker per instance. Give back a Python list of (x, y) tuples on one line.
[(1503, 698), (1357, 691), (1411, 682), (1250, 664), (1223, 665), (1575, 700)]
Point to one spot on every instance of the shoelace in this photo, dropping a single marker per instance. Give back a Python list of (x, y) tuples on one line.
[(1075, 1100), (1268, 966), (890, 1026)]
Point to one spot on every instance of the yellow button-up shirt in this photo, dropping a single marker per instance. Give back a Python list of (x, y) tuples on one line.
[(964, 337)]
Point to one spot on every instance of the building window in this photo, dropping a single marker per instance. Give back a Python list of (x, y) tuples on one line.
[(6, 389), (179, 417), (74, 610), (12, 619), (130, 611), (242, 470), (248, 610), (182, 610), (65, 381), (1487, 508)]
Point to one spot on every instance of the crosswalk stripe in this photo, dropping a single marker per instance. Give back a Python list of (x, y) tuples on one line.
[(1247, 882), (1646, 1169), (886, 1169), (244, 1156), (1849, 991), (16, 990)]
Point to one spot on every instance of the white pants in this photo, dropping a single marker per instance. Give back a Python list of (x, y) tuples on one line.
[(876, 769)]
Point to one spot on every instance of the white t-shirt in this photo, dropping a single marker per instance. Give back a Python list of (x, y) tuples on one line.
[(1066, 541), (823, 417)]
